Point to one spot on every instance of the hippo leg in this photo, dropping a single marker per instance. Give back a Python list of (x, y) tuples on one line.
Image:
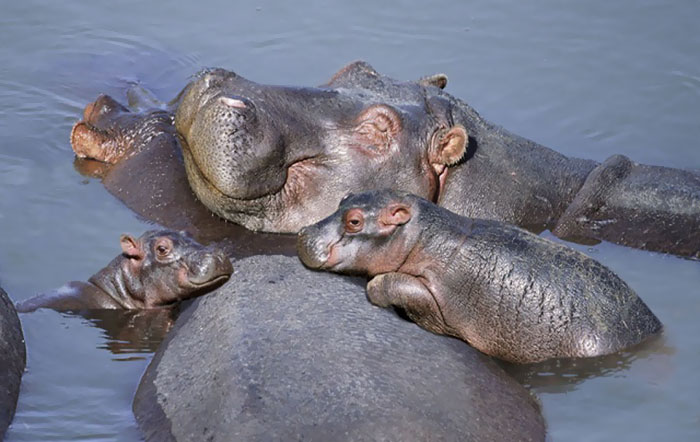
[(409, 294), (647, 207)]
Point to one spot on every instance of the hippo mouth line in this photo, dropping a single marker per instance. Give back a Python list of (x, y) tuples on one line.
[(214, 281), (293, 171)]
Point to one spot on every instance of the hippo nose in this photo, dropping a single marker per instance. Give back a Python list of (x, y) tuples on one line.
[(210, 266), (311, 250)]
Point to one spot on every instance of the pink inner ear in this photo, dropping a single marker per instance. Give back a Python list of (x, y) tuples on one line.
[(131, 247), (396, 215)]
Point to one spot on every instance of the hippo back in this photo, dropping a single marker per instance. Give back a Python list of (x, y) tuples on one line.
[(12, 360), (283, 353)]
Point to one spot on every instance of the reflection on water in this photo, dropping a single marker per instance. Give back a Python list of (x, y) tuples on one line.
[(132, 333), (564, 375)]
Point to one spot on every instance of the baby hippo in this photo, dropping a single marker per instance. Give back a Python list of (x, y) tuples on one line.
[(505, 291), (156, 270)]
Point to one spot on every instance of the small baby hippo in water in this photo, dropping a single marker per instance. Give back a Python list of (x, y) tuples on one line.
[(156, 270), (505, 291)]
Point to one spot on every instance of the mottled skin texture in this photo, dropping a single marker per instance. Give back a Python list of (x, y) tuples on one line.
[(506, 291), (280, 353), (158, 269), (148, 173), (278, 158), (13, 358)]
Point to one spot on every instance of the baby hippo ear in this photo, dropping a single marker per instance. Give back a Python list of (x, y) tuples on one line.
[(450, 146), (131, 247), (395, 214)]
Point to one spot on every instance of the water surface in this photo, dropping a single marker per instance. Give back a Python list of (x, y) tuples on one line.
[(587, 78)]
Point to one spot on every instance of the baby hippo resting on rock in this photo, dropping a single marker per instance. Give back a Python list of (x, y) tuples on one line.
[(505, 291), (156, 270)]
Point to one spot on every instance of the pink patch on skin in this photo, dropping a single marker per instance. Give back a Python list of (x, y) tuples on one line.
[(232, 102), (183, 279)]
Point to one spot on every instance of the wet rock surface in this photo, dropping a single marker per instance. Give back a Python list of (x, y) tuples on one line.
[(13, 358), (284, 353)]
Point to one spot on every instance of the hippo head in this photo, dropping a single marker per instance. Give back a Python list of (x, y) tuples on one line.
[(109, 132), (278, 158), (369, 234), (163, 267)]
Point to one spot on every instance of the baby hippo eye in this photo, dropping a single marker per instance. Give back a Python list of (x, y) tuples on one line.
[(354, 221), (163, 247)]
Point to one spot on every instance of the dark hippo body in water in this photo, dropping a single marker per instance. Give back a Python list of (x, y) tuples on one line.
[(283, 353), (506, 291), (158, 269), (13, 358)]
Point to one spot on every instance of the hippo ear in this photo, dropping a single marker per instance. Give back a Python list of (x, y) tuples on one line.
[(377, 127), (450, 146), (395, 214), (437, 80), (356, 73), (131, 247)]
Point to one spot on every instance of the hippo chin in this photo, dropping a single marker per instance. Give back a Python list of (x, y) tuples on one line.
[(506, 291), (158, 269), (278, 158)]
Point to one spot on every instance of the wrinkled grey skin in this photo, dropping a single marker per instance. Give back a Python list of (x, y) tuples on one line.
[(505, 291), (278, 158), (158, 269), (284, 354), (13, 358), (136, 154)]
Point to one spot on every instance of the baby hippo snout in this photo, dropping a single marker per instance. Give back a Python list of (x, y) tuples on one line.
[(313, 250), (208, 267)]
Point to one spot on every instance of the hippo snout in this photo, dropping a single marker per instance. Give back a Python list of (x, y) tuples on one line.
[(312, 250), (209, 268)]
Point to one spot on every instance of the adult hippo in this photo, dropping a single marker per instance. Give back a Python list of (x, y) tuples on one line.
[(13, 358), (505, 291), (140, 162), (282, 353), (156, 270), (276, 159)]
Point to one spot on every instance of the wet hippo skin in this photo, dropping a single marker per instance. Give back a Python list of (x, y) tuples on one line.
[(158, 269), (13, 358), (278, 158), (283, 353), (148, 174), (275, 159), (506, 291)]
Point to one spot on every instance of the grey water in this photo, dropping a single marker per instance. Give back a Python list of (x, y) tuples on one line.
[(588, 79)]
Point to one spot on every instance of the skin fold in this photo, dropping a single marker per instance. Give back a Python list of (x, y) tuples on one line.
[(505, 291)]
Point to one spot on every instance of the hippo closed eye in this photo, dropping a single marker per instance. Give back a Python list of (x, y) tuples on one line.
[(507, 292), (155, 270)]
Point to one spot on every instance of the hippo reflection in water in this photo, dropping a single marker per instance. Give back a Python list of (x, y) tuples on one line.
[(277, 159)]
